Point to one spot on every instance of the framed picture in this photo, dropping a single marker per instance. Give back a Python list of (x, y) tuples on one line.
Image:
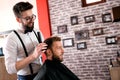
[(62, 29), (89, 19), (83, 34), (106, 17), (81, 45), (97, 31), (118, 39), (68, 42), (91, 2), (74, 20), (111, 40)]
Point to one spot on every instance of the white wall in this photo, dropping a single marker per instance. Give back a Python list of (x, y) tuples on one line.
[(7, 19)]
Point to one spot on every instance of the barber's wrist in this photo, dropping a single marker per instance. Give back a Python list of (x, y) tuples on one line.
[(33, 56)]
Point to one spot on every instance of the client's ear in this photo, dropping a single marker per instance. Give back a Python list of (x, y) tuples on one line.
[(48, 52)]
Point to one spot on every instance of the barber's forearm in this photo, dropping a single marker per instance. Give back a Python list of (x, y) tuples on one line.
[(23, 63), (36, 53)]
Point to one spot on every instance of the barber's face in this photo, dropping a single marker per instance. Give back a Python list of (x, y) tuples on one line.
[(27, 19), (57, 51)]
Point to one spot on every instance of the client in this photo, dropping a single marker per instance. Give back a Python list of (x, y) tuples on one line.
[(53, 69)]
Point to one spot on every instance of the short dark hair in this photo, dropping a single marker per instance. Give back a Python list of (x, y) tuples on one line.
[(49, 41), (20, 7)]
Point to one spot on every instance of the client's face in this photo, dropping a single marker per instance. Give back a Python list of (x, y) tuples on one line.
[(57, 51)]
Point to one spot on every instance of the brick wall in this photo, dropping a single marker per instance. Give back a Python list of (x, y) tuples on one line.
[(91, 63)]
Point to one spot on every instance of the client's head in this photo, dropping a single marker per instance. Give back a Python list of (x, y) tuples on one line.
[(55, 49)]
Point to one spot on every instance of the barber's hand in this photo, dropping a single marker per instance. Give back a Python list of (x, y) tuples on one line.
[(39, 49)]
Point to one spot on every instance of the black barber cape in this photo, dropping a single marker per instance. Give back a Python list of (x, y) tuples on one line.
[(54, 70)]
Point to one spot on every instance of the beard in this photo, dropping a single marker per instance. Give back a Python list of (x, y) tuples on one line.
[(56, 58), (28, 28)]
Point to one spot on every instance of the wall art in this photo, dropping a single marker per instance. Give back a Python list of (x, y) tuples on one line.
[(62, 29), (81, 45), (89, 19), (111, 40), (68, 42), (83, 34), (74, 20), (97, 31), (91, 2), (106, 17)]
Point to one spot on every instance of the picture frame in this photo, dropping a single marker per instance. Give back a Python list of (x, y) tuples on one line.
[(111, 40), (69, 42), (86, 3), (89, 19), (62, 29), (97, 31), (106, 17), (82, 34), (74, 20), (118, 39), (81, 45)]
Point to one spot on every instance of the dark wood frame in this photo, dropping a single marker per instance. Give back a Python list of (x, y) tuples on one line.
[(89, 19), (82, 34), (111, 40), (97, 31), (74, 20), (84, 3), (69, 42), (116, 13), (62, 29), (106, 17), (81, 45)]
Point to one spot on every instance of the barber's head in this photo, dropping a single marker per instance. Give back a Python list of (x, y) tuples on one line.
[(55, 49), (20, 7), (24, 15)]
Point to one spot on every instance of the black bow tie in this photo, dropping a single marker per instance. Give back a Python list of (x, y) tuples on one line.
[(27, 31)]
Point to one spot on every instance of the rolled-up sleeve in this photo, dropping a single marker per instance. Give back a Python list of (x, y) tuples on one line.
[(10, 54)]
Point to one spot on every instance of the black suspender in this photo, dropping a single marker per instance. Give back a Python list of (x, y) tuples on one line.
[(38, 36), (31, 70)]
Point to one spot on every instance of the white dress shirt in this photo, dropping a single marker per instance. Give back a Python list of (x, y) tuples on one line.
[(13, 51)]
